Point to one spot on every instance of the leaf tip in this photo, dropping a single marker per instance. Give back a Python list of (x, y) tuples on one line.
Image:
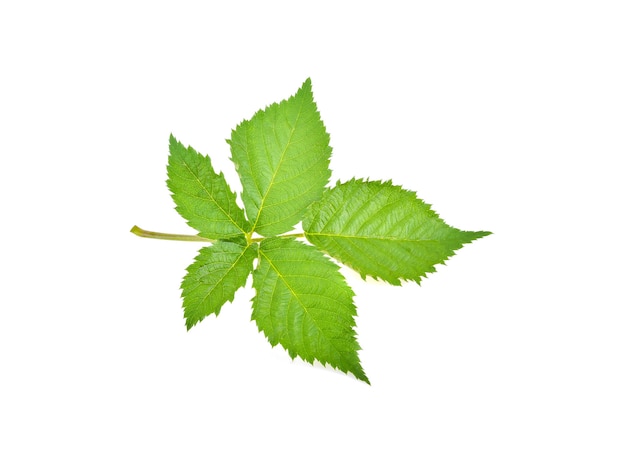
[(361, 376), (173, 142), (472, 236), (189, 323), (306, 88)]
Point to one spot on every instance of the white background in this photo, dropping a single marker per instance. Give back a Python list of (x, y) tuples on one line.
[(505, 116)]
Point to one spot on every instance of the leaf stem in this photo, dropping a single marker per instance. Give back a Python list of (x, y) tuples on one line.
[(173, 236), (288, 235), (167, 236)]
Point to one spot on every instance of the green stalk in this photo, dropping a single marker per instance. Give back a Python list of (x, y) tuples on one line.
[(173, 236), (167, 236)]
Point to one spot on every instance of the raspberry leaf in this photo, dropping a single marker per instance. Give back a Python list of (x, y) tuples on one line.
[(303, 303), (214, 277), (383, 231), (282, 155), (202, 196)]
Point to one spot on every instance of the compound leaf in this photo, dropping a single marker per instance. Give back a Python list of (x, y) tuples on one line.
[(304, 303), (214, 277), (202, 196), (282, 155), (381, 230)]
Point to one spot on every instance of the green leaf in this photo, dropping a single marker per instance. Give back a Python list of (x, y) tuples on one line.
[(382, 231), (282, 156), (202, 196), (214, 277), (304, 303)]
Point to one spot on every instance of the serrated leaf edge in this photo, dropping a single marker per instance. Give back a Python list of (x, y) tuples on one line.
[(185, 293)]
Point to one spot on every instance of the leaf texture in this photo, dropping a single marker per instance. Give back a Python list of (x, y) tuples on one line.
[(304, 303), (214, 277), (282, 155), (383, 231), (202, 196)]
